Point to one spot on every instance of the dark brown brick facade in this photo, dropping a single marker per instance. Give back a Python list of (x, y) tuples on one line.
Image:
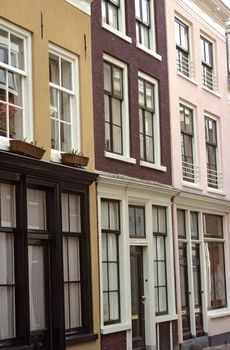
[(114, 341), (137, 60)]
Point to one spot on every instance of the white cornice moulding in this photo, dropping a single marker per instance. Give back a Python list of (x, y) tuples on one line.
[(83, 5)]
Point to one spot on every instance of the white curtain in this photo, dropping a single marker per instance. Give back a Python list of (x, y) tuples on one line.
[(36, 209), (7, 205), (7, 293), (36, 287)]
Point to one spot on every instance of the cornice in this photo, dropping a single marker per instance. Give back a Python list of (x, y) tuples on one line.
[(83, 5)]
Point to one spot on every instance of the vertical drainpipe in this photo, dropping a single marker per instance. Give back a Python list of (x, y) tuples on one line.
[(176, 267)]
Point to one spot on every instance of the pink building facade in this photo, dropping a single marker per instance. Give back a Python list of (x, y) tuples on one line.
[(200, 129)]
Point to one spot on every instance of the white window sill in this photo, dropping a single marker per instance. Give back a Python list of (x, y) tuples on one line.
[(153, 166), (83, 5), (216, 191), (165, 318), (120, 157), (55, 156), (116, 32), (4, 143), (211, 92), (218, 313), (192, 185), (149, 52), (115, 328), (187, 78)]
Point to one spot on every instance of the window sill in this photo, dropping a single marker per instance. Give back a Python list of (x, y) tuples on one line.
[(4, 143), (149, 52), (16, 347), (115, 328), (211, 91), (80, 338), (153, 166), (218, 313), (187, 78), (116, 32), (165, 318), (120, 157), (192, 185), (216, 191)]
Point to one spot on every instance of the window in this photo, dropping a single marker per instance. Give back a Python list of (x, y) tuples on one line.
[(148, 120), (110, 223), (116, 110), (64, 114), (34, 296), (215, 261), (72, 235), (187, 143), (145, 26), (213, 175), (207, 64), (14, 82), (184, 65), (110, 13), (136, 221), (160, 274), (113, 99)]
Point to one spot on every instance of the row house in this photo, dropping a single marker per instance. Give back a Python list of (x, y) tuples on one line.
[(134, 187), (200, 129), (48, 255)]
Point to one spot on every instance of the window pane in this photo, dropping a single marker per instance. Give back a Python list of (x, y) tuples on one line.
[(148, 124), (113, 16), (7, 205), (149, 96), (54, 69), (107, 108), (105, 286), (131, 221), (140, 222), (55, 134), (161, 273), (149, 149), (117, 81), (65, 259), (75, 305), (36, 209), (65, 212), (141, 92), (114, 308), (194, 225), (112, 247), (106, 307), (145, 11), (4, 46), (113, 276), (6, 258), (114, 216), (67, 310), (162, 220), (65, 107), (116, 111), (160, 247), (74, 213), (36, 287), (66, 70), (65, 136), (16, 52), (105, 214), (73, 259), (107, 77), (213, 225), (144, 36), (181, 223), (3, 88), (162, 299), (7, 313)]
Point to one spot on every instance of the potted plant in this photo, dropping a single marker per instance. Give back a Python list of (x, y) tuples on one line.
[(74, 158), (25, 148)]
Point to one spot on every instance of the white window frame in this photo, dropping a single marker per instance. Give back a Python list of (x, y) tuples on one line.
[(156, 127), (125, 114), (121, 32), (194, 145), (152, 35), (218, 153), (83, 5), (27, 118), (75, 111)]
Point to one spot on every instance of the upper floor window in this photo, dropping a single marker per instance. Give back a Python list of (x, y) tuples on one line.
[(110, 223), (64, 113), (145, 33), (184, 64), (14, 82), (116, 109), (148, 119), (213, 174), (110, 13), (208, 78), (187, 144)]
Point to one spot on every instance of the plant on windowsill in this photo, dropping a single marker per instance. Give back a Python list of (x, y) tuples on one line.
[(29, 149), (74, 158)]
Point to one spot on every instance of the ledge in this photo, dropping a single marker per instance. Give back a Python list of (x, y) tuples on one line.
[(120, 157), (80, 338), (218, 313), (116, 32), (194, 82), (211, 91), (149, 52), (115, 328), (153, 166), (83, 5)]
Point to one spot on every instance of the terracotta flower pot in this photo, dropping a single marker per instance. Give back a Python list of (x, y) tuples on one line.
[(26, 149), (74, 159)]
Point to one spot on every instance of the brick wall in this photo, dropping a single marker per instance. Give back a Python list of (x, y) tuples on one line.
[(114, 341)]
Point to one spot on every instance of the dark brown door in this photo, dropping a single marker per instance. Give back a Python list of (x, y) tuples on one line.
[(137, 295), (39, 294)]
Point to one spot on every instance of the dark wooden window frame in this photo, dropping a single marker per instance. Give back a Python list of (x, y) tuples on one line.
[(29, 173)]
